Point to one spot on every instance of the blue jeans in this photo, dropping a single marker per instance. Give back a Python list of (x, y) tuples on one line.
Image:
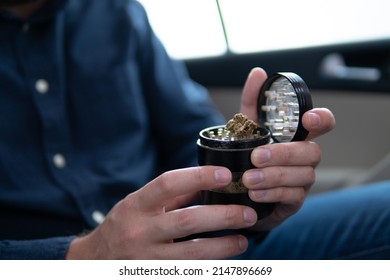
[(348, 224)]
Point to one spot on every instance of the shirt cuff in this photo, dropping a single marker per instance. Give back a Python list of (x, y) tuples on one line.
[(41, 249)]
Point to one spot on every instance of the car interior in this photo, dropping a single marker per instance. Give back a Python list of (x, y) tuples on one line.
[(342, 52)]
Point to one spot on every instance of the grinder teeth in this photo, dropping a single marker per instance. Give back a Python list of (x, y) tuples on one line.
[(226, 135)]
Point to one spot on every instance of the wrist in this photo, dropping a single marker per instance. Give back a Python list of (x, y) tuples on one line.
[(80, 248)]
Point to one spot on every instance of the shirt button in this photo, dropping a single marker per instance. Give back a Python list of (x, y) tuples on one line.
[(98, 216), (59, 161), (42, 86)]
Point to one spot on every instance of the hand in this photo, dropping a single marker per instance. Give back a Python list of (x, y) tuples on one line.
[(285, 171), (145, 224)]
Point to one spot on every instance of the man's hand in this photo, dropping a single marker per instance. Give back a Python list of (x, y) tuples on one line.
[(145, 224), (285, 171)]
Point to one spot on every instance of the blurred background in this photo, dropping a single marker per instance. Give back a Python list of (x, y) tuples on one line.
[(340, 48)]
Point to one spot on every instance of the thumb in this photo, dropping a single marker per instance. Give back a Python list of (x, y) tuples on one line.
[(250, 93)]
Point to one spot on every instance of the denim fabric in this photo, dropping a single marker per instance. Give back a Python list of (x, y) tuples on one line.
[(348, 224)]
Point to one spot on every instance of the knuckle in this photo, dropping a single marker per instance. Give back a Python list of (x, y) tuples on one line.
[(164, 182), (311, 177), (129, 236), (199, 175), (279, 176), (280, 216), (300, 197), (230, 215), (231, 246), (286, 154), (185, 221), (193, 251), (316, 154), (130, 203), (280, 194), (294, 201), (221, 247)]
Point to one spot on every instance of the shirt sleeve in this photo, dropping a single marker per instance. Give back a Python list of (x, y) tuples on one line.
[(41, 249)]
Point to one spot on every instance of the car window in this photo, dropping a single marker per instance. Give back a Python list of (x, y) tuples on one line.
[(198, 28)]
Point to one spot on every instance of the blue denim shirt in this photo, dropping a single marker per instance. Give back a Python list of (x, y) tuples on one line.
[(91, 109)]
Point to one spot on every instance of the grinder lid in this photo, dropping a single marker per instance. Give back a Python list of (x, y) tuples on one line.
[(284, 98)]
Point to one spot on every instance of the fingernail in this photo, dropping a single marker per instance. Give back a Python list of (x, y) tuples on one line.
[(254, 177), (242, 243), (261, 155), (259, 194), (314, 119), (250, 215), (222, 176)]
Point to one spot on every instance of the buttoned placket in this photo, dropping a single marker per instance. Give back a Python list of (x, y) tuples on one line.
[(42, 87), (47, 86)]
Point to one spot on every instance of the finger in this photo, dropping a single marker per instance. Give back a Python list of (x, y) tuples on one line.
[(280, 213), (198, 219), (318, 121), (250, 92), (179, 182), (293, 196), (301, 153), (208, 248), (288, 202), (270, 177), (181, 201)]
